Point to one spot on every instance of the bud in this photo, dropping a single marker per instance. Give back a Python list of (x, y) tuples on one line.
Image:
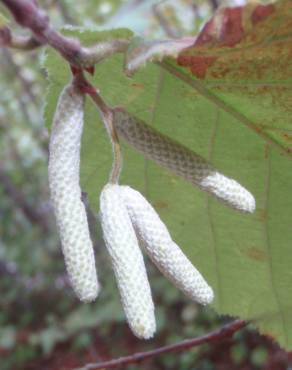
[(102, 50), (64, 162), (141, 51), (127, 261), (181, 161), (162, 250)]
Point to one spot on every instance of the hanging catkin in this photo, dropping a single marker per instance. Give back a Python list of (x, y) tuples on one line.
[(64, 162), (162, 250), (181, 161), (127, 261)]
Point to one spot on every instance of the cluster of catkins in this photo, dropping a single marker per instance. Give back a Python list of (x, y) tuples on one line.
[(128, 221)]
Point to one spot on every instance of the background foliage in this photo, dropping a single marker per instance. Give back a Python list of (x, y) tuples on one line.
[(42, 324)]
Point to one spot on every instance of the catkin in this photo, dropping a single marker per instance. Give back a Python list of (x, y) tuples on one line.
[(128, 264), (181, 161), (64, 163), (162, 250)]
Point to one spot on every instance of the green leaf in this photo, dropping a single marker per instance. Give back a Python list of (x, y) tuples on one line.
[(237, 121)]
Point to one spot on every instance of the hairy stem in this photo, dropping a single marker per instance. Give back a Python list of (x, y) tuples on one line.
[(107, 118)]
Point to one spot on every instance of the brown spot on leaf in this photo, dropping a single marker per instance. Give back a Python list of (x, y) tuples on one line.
[(138, 86), (199, 65), (257, 254), (262, 215), (225, 28), (232, 31), (160, 204), (184, 60), (267, 151), (287, 137), (259, 129)]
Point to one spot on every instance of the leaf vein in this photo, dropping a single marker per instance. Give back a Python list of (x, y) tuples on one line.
[(268, 244), (209, 215)]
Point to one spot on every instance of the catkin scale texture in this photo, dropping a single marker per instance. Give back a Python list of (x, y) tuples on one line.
[(181, 161), (64, 163), (127, 261), (162, 250)]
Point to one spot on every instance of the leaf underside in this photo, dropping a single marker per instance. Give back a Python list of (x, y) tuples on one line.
[(236, 113)]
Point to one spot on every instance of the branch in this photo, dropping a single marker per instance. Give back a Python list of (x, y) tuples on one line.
[(107, 119), (7, 39), (29, 15), (215, 336)]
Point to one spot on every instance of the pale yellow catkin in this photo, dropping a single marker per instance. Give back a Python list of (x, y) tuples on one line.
[(127, 261), (163, 251), (181, 161), (64, 163)]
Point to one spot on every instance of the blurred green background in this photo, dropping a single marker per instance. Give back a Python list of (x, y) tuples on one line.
[(42, 325)]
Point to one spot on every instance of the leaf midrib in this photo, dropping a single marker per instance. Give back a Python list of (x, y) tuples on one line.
[(201, 89)]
